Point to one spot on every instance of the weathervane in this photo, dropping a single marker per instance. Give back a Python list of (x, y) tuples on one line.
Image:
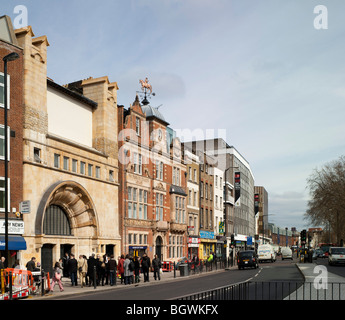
[(145, 87)]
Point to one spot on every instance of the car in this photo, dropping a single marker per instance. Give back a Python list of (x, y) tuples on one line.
[(318, 253), (336, 255), (247, 259), (286, 253)]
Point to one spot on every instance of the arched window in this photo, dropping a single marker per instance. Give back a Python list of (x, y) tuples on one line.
[(56, 222)]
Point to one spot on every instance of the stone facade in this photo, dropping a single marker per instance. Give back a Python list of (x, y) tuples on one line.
[(63, 177)]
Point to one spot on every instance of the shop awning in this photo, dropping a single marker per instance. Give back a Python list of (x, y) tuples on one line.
[(14, 243)]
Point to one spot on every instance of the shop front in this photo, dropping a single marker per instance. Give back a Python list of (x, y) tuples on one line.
[(137, 251), (16, 243), (193, 246), (207, 244)]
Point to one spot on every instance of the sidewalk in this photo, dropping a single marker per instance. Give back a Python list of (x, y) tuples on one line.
[(73, 290)]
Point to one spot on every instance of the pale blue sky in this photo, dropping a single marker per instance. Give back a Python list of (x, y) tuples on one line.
[(258, 69)]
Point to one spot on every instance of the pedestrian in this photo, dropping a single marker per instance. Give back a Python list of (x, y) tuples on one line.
[(112, 270), (65, 260), (31, 265), (156, 264), (106, 261), (2, 263), (100, 270), (86, 274), (73, 269), (91, 264), (121, 269), (61, 264), (136, 269), (146, 264), (82, 269), (127, 272), (57, 275)]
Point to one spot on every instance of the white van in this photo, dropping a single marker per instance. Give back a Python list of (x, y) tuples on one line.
[(286, 253), (266, 253)]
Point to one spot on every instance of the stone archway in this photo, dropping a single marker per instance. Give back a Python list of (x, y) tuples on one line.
[(76, 202)]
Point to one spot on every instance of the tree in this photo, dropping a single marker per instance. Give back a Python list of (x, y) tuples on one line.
[(327, 204)]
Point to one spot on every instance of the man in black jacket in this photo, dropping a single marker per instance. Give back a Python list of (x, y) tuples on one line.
[(73, 269), (145, 263), (91, 263)]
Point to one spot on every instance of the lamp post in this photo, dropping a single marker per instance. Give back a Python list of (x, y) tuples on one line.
[(10, 57)]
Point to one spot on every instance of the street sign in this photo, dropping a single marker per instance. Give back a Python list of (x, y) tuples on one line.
[(25, 207)]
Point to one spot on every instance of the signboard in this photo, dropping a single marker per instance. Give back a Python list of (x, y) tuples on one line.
[(25, 207), (221, 227), (256, 203), (249, 241), (237, 189), (14, 226), (207, 234), (193, 242)]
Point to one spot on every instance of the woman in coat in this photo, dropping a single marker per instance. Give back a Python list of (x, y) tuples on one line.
[(120, 267), (127, 272)]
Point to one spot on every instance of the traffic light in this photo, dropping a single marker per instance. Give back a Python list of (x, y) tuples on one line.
[(303, 236), (232, 239)]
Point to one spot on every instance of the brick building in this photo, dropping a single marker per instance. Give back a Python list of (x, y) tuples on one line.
[(152, 185), (9, 44)]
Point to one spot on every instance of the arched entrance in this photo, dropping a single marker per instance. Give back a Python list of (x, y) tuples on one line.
[(159, 245)]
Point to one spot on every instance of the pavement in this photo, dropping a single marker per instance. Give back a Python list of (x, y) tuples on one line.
[(74, 290), (319, 284)]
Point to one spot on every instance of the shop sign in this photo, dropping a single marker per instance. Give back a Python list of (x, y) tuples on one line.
[(14, 226), (207, 234)]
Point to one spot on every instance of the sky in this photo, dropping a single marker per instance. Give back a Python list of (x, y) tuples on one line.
[(261, 71)]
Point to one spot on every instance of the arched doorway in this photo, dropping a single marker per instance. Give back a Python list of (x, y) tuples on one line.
[(159, 245)]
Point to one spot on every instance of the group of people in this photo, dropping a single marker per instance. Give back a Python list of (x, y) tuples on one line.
[(102, 270)]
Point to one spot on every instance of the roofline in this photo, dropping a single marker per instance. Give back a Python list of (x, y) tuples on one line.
[(72, 94)]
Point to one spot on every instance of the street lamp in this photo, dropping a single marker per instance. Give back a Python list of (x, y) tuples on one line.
[(10, 57)]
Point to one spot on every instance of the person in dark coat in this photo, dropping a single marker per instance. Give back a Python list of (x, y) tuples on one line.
[(156, 264), (146, 263), (65, 260), (73, 269), (136, 269), (112, 265), (91, 263)]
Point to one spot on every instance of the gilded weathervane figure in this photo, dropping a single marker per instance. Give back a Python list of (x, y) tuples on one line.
[(145, 85)]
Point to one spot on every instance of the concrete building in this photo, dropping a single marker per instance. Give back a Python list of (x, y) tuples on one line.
[(262, 215), (15, 74), (70, 162)]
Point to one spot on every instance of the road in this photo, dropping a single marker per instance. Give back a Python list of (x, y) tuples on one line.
[(277, 271)]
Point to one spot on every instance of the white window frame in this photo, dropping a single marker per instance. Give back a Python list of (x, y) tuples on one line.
[(8, 142), (8, 196), (2, 84)]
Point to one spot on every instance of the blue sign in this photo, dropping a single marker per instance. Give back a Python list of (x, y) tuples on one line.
[(206, 234), (249, 241)]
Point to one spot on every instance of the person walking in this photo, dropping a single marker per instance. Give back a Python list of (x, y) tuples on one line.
[(73, 269), (57, 275), (82, 270), (120, 268), (65, 260), (156, 264), (112, 270), (146, 264), (100, 270)]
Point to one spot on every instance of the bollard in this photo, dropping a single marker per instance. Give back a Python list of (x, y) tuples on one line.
[(42, 283), (174, 269), (94, 277), (10, 281)]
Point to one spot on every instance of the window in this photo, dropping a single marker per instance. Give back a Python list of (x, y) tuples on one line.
[(206, 190), (98, 172), (176, 176), (74, 165), (201, 217), (56, 160), (2, 194), (37, 155), (179, 210), (195, 176), (137, 203), (159, 170), (137, 161), (2, 88), (137, 126), (159, 206), (65, 163), (56, 221), (82, 167), (201, 189), (111, 175), (89, 170)]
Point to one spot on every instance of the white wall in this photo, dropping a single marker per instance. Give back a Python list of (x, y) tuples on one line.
[(69, 118)]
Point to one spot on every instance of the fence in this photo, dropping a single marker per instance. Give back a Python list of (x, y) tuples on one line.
[(277, 290)]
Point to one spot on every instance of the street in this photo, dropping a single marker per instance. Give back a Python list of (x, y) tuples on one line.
[(277, 271)]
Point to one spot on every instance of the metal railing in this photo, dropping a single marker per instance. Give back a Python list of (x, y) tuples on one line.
[(275, 290)]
